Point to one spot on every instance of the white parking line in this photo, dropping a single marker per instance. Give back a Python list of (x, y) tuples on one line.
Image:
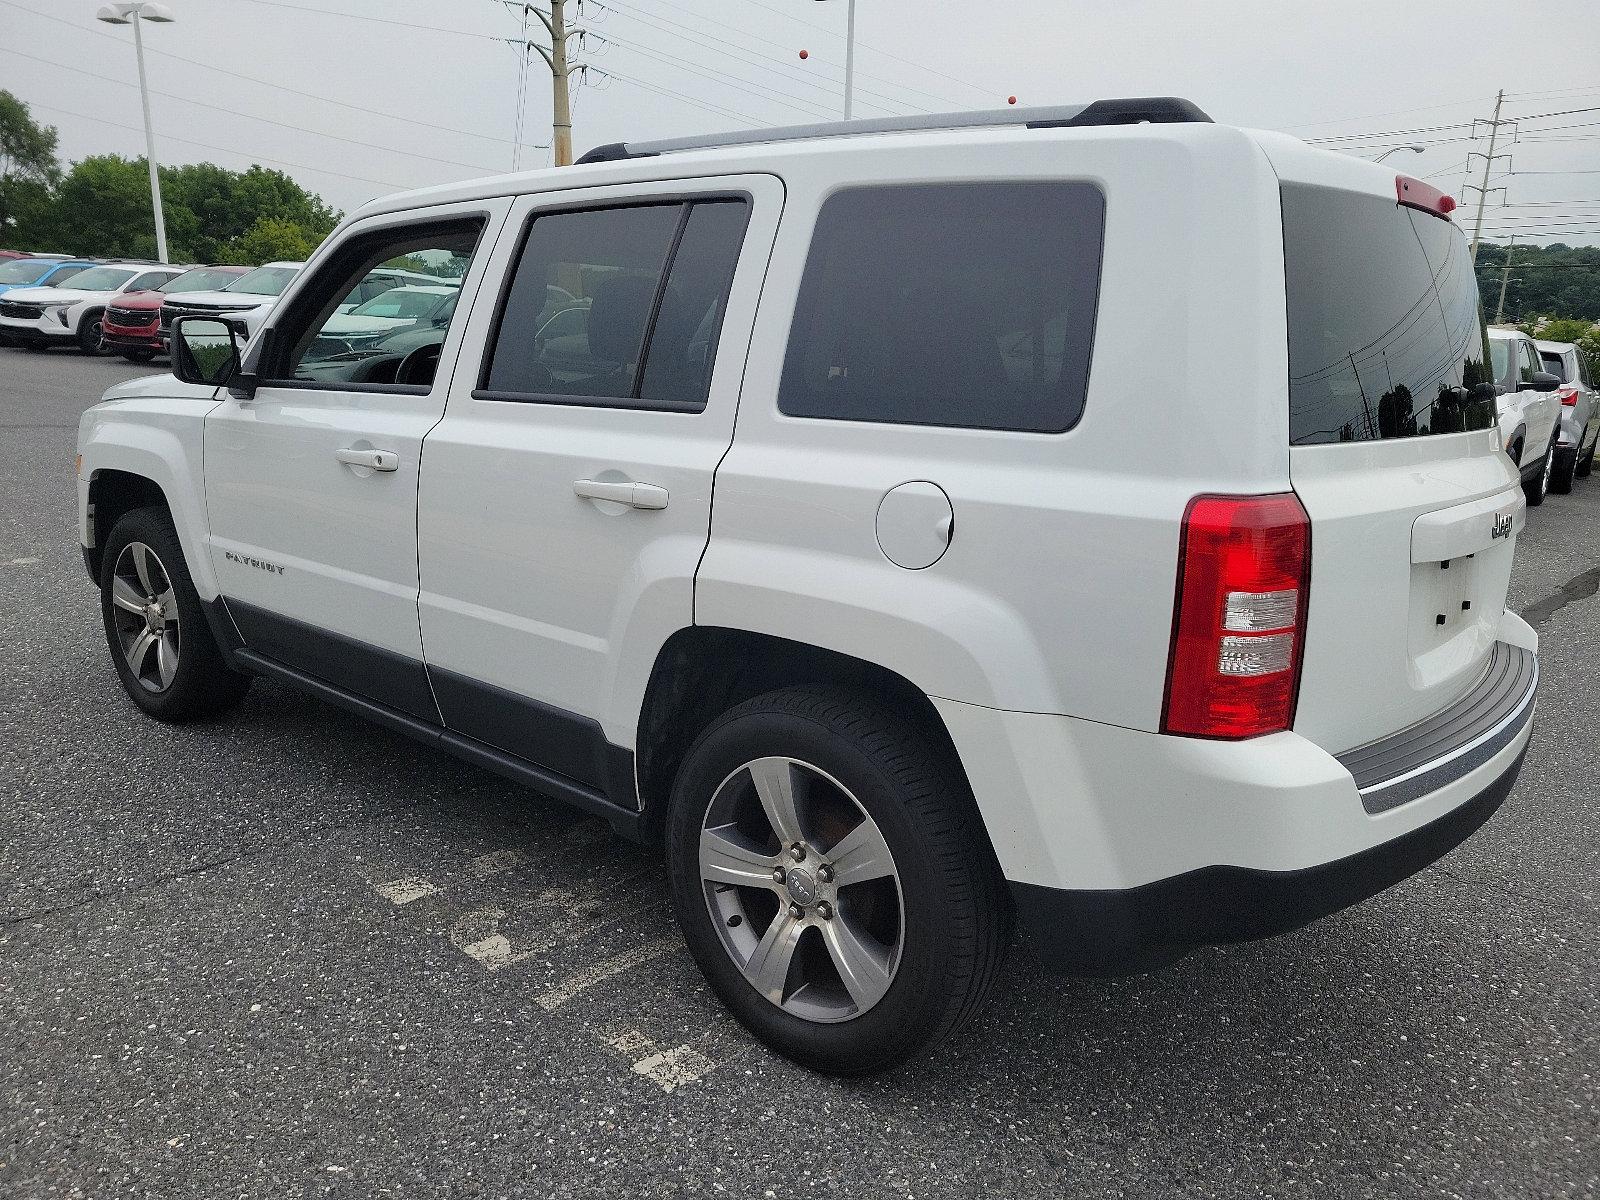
[(668, 1069), (22, 562), (496, 862), (406, 889), (553, 998)]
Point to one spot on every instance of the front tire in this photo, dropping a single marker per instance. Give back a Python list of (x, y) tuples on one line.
[(155, 625), (89, 333), (833, 880)]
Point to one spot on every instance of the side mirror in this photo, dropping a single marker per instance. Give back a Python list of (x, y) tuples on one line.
[(1544, 381), (205, 350)]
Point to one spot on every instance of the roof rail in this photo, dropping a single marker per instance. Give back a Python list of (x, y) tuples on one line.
[(1132, 111)]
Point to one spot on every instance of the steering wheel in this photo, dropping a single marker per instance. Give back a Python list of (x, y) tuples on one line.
[(420, 365)]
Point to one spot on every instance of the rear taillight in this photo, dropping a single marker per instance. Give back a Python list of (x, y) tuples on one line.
[(1569, 396), (1243, 567)]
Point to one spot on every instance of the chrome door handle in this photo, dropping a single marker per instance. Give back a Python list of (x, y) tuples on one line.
[(634, 495), (374, 460)]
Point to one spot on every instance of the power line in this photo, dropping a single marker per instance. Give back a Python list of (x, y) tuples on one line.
[(408, 152), (267, 83), (803, 104), (333, 12), (712, 108), (628, 12), (233, 150), (860, 45)]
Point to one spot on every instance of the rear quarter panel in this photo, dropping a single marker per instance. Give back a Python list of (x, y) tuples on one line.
[(1056, 592)]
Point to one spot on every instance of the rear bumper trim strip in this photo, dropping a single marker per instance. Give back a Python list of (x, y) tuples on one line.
[(1446, 746)]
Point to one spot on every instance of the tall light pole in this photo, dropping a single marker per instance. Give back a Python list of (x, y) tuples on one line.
[(849, 56), (132, 14)]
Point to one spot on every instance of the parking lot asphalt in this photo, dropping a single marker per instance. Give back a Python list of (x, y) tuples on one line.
[(292, 954)]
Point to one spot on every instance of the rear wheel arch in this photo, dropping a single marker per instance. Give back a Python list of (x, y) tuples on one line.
[(704, 671)]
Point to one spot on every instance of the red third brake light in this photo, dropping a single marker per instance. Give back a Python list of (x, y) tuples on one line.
[(1244, 564), (1423, 197)]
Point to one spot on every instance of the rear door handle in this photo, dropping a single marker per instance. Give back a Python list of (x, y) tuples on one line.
[(634, 495), (375, 460)]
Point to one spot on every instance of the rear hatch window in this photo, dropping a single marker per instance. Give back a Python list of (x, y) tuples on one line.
[(1386, 338)]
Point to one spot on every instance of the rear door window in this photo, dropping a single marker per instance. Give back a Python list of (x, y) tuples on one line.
[(1386, 337), (956, 304), (618, 307), (1555, 364)]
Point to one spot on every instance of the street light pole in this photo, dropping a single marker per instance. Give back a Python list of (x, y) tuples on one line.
[(849, 57), (132, 14)]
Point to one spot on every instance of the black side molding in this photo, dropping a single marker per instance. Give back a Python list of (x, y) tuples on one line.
[(628, 823)]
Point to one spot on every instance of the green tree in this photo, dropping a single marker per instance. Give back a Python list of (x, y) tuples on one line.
[(270, 239), (28, 167), (102, 206)]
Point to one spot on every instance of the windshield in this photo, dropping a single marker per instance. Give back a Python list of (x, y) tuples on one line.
[(202, 280), (264, 281), (102, 279), (23, 271), (1385, 333), (399, 302)]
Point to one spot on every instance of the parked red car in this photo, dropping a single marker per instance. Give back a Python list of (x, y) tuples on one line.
[(132, 326)]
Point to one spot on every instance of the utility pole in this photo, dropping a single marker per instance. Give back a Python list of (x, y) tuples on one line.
[(561, 124), (562, 68), (1484, 189), (1505, 278)]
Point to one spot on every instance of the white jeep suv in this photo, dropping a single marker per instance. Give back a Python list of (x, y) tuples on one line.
[(40, 317), (830, 550)]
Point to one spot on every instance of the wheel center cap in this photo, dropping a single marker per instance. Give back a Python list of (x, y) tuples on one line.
[(802, 887), (153, 619)]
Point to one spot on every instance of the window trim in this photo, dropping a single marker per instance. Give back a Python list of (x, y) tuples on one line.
[(1091, 330), (271, 345), (685, 200)]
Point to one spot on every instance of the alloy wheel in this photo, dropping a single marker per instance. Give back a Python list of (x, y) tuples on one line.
[(144, 611), (803, 890)]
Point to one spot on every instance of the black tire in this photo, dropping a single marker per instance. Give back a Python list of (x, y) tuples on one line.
[(138, 356), (202, 686), (1564, 471), (955, 914), (1586, 462), (1538, 487), (89, 332)]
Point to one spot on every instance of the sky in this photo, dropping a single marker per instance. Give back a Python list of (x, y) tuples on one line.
[(357, 98)]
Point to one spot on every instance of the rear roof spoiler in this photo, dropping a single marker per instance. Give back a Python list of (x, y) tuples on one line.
[(1131, 111)]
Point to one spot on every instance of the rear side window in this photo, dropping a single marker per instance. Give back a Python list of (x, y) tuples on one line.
[(1555, 364), (1386, 337), (968, 304), (618, 307)]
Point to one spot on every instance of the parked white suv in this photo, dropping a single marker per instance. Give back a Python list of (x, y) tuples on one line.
[(829, 551), (41, 317), (247, 300), (1529, 411)]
